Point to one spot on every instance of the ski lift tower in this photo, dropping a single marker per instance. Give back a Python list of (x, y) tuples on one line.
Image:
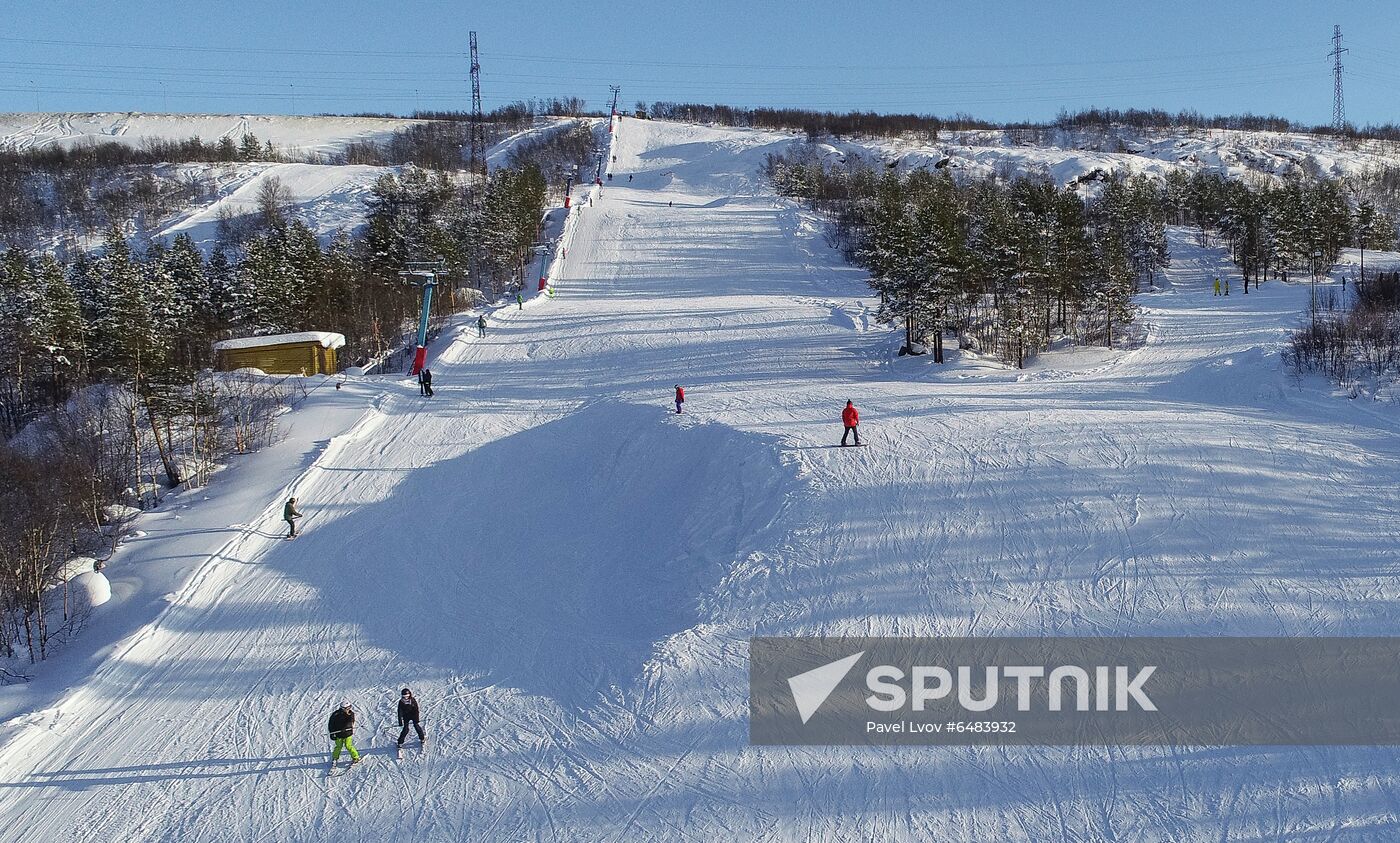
[(425, 274)]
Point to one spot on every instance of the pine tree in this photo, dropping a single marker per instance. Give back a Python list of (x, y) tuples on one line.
[(64, 340), (192, 306)]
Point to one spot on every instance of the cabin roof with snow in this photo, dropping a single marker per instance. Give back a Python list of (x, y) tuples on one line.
[(325, 339)]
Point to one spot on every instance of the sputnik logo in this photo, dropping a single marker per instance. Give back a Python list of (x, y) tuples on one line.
[(810, 689)]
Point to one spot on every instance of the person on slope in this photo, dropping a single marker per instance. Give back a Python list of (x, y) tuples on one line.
[(481, 325), (680, 398), (408, 714), (1227, 286), (342, 731), (1217, 285), (850, 417), (290, 514), (519, 301), (425, 382)]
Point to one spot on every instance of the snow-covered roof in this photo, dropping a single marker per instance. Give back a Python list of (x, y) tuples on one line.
[(325, 338)]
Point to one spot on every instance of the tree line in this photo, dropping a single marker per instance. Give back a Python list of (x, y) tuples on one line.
[(1012, 265), (1007, 266), (1278, 228)]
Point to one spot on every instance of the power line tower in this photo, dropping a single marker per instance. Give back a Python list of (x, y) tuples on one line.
[(1339, 119), (478, 127), (616, 89)]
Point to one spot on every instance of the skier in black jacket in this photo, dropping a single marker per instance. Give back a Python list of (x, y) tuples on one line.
[(342, 730), (408, 714)]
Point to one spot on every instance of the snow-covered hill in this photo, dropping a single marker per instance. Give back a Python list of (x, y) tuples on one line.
[(567, 573), (294, 136), (327, 197), (1070, 157)]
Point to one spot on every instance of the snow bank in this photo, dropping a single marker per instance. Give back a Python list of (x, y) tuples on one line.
[(92, 588)]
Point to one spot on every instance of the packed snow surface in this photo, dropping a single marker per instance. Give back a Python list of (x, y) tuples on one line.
[(567, 573)]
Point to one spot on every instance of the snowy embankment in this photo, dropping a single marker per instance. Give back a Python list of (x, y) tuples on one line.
[(567, 573)]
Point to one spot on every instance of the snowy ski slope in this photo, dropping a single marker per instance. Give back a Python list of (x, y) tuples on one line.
[(567, 574)]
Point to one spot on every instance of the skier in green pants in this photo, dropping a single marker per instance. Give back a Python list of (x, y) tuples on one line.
[(342, 730)]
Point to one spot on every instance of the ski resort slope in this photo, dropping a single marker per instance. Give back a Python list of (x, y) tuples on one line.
[(567, 573)]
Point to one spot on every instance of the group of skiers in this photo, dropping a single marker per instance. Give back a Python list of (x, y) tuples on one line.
[(342, 727), (1227, 286)]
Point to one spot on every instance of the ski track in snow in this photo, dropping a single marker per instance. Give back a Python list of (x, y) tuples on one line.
[(567, 573)]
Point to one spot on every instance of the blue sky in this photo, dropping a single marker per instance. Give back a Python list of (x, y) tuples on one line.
[(997, 60)]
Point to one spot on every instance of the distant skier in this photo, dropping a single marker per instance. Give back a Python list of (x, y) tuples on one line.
[(481, 325), (1227, 286), (408, 715), (669, 204), (290, 514), (850, 417), (425, 382), (629, 177), (1217, 285), (519, 301), (680, 398), (342, 731)]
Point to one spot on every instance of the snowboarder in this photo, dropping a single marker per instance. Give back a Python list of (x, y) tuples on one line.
[(680, 398), (850, 417), (408, 714), (290, 514), (342, 730), (1217, 285), (425, 382), (519, 301), (481, 325)]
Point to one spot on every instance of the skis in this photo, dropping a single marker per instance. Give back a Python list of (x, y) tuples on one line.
[(422, 748), (331, 771)]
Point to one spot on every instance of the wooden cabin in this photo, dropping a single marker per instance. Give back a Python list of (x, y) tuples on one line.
[(306, 353)]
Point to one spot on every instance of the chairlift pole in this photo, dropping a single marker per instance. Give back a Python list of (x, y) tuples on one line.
[(426, 274)]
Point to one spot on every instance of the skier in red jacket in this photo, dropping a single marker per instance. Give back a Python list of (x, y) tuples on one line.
[(850, 417), (680, 398)]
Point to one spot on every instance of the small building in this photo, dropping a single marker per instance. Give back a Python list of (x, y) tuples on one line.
[(305, 353)]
